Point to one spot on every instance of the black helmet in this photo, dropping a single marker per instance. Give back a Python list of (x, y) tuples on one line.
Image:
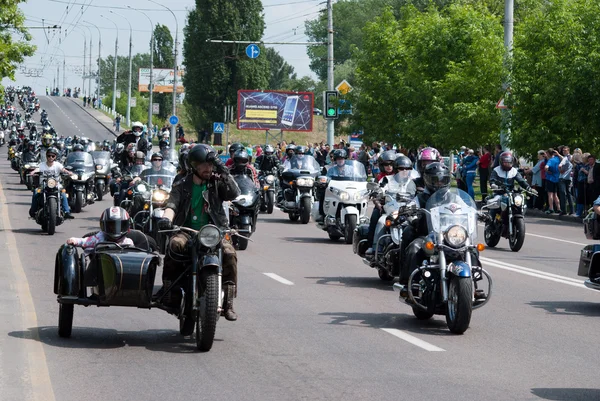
[(339, 154), (235, 147), (387, 157), (300, 150), (506, 160), (78, 148), (52, 151), (202, 153), (436, 176), (403, 163), (157, 155), (184, 164), (269, 149), (240, 158), (114, 223)]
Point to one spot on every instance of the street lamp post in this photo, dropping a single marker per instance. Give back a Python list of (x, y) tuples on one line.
[(114, 96), (128, 115), (99, 58), (174, 69), (150, 88), (64, 68)]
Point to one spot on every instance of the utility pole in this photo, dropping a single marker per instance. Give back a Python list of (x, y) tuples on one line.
[(114, 96), (90, 69), (508, 46), (330, 84), (83, 74)]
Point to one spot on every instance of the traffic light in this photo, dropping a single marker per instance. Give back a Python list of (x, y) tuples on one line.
[(331, 104)]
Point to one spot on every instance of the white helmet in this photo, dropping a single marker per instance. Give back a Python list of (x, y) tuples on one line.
[(139, 125)]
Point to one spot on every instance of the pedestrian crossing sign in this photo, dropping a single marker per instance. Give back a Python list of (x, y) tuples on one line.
[(218, 128)]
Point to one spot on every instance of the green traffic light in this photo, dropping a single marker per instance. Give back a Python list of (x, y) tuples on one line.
[(331, 112)]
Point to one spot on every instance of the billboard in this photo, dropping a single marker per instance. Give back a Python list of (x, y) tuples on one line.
[(262, 110), (162, 80)]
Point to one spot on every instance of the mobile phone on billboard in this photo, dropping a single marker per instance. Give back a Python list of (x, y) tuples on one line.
[(289, 111)]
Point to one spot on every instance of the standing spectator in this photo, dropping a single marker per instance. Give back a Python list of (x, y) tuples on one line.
[(363, 157), (580, 170), (180, 134), (536, 180), (94, 102), (484, 171), (117, 123), (593, 180), (470, 170), (258, 150), (564, 183), (552, 178), (497, 152)]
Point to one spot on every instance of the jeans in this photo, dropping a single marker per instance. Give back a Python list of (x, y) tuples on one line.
[(484, 175), (470, 177), (63, 200), (375, 215), (564, 195)]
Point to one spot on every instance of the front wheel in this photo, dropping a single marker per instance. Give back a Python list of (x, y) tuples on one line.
[(460, 304), (65, 320), (517, 238), (99, 191), (206, 319), (78, 205), (305, 210), (349, 230), (243, 242), (491, 236), (270, 202), (52, 212)]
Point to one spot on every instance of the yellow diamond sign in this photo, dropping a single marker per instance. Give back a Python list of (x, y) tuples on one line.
[(343, 87)]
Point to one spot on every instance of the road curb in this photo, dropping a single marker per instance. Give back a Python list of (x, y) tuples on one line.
[(94, 117)]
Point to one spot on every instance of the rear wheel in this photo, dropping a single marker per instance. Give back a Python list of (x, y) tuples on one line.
[(206, 322), (78, 205), (305, 210), (491, 236), (517, 238), (460, 304), (334, 237), (65, 320), (349, 230), (293, 216), (270, 202), (52, 212), (385, 275)]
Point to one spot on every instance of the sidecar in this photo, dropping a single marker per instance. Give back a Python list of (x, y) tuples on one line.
[(589, 259), (111, 276)]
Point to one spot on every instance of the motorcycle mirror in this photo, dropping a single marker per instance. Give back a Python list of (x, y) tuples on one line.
[(372, 186)]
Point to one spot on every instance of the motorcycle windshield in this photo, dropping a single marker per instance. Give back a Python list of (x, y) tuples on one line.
[(304, 164), (101, 157), (136, 170), (163, 179), (80, 161), (352, 170), (452, 207), (401, 185), (170, 157), (245, 183)]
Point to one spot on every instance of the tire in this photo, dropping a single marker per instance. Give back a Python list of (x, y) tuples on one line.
[(384, 275), (206, 322), (65, 320), (270, 202), (491, 238), (99, 191), (349, 230), (293, 217), (421, 314), (305, 210), (51, 217), (242, 242), (460, 304), (518, 238), (78, 204), (188, 321), (334, 237)]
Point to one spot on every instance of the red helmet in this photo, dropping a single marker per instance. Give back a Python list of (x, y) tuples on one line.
[(114, 223)]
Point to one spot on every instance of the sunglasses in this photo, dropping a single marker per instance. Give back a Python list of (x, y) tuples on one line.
[(51, 156), (156, 160)]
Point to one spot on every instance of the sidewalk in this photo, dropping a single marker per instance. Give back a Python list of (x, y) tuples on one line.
[(97, 115), (542, 215)]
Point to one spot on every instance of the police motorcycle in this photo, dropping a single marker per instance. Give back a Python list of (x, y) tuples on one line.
[(506, 216), (589, 258), (345, 201), (80, 185), (103, 164), (447, 282), (49, 211), (243, 211), (268, 188), (398, 204), (297, 183)]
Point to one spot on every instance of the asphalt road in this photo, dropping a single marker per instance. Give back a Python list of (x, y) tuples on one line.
[(322, 326)]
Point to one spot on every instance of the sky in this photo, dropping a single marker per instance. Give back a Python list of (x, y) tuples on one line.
[(284, 22)]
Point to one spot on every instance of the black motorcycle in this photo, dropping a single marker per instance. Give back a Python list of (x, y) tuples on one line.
[(589, 259), (268, 188), (49, 211), (243, 212), (297, 183), (80, 185), (103, 164)]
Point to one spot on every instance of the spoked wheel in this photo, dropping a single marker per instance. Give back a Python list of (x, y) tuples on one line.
[(349, 230), (517, 238), (206, 318), (65, 320), (491, 236), (460, 304)]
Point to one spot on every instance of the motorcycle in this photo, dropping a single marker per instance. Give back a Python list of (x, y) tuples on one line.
[(80, 185), (447, 281), (345, 201), (589, 258), (49, 212), (2, 140), (243, 211), (113, 275), (506, 217), (297, 182), (398, 203), (103, 165), (268, 187), (26, 177), (123, 181)]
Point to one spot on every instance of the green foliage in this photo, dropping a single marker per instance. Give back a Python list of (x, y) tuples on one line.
[(430, 77), (556, 77), (140, 60), (281, 73), (14, 38), (216, 71), (163, 47)]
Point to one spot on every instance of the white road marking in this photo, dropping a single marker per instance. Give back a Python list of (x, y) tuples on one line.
[(534, 273), (413, 340), (278, 278), (556, 239)]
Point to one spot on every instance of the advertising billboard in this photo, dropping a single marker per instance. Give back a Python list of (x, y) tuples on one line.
[(162, 80), (262, 110)]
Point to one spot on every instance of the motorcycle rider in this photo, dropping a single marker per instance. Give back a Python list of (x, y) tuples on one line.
[(290, 151), (267, 162), (30, 153), (47, 142), (195, 201), (339, 169), (299, 162), (51, 165), (241, 165), (425, 157), (233, 148), (156, 169), (184, 166), (132, 135), (141, 143), (140, 159)]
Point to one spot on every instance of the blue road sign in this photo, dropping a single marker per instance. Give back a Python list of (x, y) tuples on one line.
[(218, 128), (253, 51), (173, 120)]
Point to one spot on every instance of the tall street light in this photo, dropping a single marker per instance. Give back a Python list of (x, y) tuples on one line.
[(174, 69), (82, 33), (99, 58), (150, 88), (128, 116), (90, 62), (64, 69), (114, 96)]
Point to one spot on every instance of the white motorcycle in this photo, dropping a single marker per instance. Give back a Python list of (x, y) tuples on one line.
[(345, 202), (2, 140)]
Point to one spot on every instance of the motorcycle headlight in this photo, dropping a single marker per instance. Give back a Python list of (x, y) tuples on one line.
[(456, 236), (51, 183), (359, 195), (159, 196), (26, 166), (209, 236), (73, 176), (518, 200), (344, 196), (305, 182), (98, 166), (141, 188), (243, 200), (270, 179)]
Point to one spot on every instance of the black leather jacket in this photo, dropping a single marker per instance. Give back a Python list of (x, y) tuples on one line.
[(267, 163)]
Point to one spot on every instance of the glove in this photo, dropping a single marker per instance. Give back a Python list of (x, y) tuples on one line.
[(220, 168), (165, 224), (533, 191)]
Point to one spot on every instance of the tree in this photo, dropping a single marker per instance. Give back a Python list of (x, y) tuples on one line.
[(216, 71), (430, 77), (555, 77), (281, 73), (140, 60), (163, 58), (14, 38)]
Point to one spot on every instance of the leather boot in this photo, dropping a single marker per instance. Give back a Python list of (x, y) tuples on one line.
[(230, 294)]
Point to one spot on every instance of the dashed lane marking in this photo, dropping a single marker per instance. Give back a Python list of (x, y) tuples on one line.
[(414, 340), (278, 278)]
